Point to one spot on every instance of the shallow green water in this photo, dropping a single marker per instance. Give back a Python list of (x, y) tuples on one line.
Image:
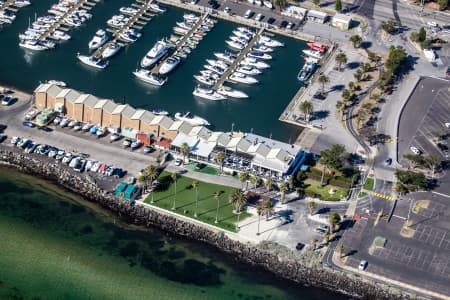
[(57, 246), (25, 69)]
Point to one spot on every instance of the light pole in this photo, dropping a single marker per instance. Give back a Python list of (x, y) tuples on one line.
[(422, 5)]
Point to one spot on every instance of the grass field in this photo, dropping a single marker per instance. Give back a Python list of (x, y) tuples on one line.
[(323, 192), (368, 185), (185, 201)]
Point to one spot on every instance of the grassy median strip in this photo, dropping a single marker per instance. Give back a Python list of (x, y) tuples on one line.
[(368, 185), (186, 196), (313, 188)]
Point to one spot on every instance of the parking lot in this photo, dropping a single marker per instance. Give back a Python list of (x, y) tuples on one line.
[(424, 118)]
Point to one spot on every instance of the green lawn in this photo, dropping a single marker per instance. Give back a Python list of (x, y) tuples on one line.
[(312, 186), (368, 185), (206, 170), (185, 203)]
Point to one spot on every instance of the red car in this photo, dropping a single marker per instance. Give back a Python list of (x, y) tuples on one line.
[(388, 91)]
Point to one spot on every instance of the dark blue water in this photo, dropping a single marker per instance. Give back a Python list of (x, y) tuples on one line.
[(25, 69)]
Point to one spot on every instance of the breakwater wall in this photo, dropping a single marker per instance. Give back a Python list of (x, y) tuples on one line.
[(281, 265)]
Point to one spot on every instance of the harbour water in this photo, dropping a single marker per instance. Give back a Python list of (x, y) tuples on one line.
[(58, 246), (24, 69)]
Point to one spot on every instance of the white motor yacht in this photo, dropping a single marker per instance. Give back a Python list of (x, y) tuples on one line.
[(191, 17), (98, 40), (130, 35), (250, 61), (57, 82), (191, 118), (160, 112), (242, 78), (259, 55), (157, 7), (208, 94), (128, 11), (235, 45), (21, 3), (92, 61), (154, 54), (218, 63), (60, 35), (244, 35), (111, 50), (229, 92), (248, 70), (32, 44), (313, 53), (262, 48), (227, 57), (239, 40), (215, 69), (169, 64), (258, 2), (149, 77), (205, 79), (268, 4), (208, 73), (185, 25), (269, 42)]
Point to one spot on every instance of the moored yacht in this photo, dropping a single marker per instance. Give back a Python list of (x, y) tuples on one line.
[(128, 11), (269, 42), (154, 54), (306, 72), (313, 53), (92, 61), (235, 45), (98, 40), (244, 35), (111, 50), (215, 69), (262, 48), (260, 55), (191, 17), (169, 64), (205, 79), (218, 63), (157, 7), (32, 44), (130, 35), (208, 93), (227, 57), (211, 74), (60, 35), (242, 78), (248, 70), (149, 77), (229, 92), (250, 61), (191, 118)]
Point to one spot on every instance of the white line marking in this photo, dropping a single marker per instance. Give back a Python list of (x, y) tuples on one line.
[(440, 194)]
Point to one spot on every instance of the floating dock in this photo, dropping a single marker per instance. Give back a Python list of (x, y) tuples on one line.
[(137, 21), (238, 60)]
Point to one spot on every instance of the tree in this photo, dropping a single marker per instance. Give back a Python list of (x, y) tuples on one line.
[(259, 211), (334, 219), (174, 176), (340, 249), (184, 150), (373, 57), (151, 174), (316, 2), (356, 40), (217, 198), (362, 115), (238, 200), (338, 5), (327, 236), (268, 184), (341, 59), (341, 108), (332, 158), (389, 26), (307, 108), (358, 75), (281, 4), (432, 162), (220, 157), (395, 59), (195, 185), (243, 177), (351, 86), (143, 179), (346, 94), (421, 35), (443, 4), (323, 80), (366, 67), (291, 182), (283, 190), (267, 207), (312, 207), (255, 180), (411, 181), (414, 160)]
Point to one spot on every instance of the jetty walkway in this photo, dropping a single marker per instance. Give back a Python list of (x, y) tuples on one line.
[(238, 59), (84, 4), (136, 21), (183, 40)]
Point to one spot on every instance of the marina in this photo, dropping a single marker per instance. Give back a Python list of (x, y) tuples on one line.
[(176, 94), (9, 8)]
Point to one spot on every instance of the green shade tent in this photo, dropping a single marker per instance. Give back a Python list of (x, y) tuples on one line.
[(120, 188), (130, 192)]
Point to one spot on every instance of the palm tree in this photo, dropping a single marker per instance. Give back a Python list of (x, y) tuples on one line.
[(268, 184), (267, 207), (356, 40), (307, 108), (217, 197), (259, 211), (243, 177), (283, 190), (238, 199), (143, 179), (151, 175), (340, 249), (334, 219), (174, 176), (340, 106), (351, 86), (184, 150), (195, 185), (220, 157), (327, 236), (291, 182), (314, 243), (281, 3), (312, 207), (324, 162), (341, 58), (323, 80), (255, 179), (346, 95)]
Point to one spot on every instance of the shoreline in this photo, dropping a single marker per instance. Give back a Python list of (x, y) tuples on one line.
[(282, 265)]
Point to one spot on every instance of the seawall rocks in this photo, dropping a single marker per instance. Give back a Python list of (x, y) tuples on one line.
[(138, 214)]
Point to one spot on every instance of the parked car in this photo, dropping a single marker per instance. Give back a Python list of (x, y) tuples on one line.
[(447, 125), (44, 150), (362, 265), (78, 126), (114, 137), (448, 72), (15, 140), (3, 137), (72, 123), (285, 220), (67, 158), (30, 115), (248, 14), (96, 166), (24, 143), (178, 162), (8, 100), (30, 147), (126, 143), (300, 246), (74, 161), (135, 145), (415, 150), (200, 166), (45, 128), (57, 120), (89, 164), (388, 161), (86, 127), (227, 10), (271, 20), (290, 25), (79, 166), (259, 17), (28, 124), (53, 152), (283, 24), (100, 132), (148, 149), (60, 155)]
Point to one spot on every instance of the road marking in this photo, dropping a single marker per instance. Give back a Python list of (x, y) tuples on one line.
[(440, 194), (400, 217), (387, 197)]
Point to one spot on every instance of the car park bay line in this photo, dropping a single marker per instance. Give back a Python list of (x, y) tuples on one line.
[(440, 194)]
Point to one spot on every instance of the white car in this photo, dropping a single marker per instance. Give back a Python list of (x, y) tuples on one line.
[(95, 167), (248, 14), (31, 114), (290, 25), (15, 140), (114, 137), (259, 17), (447, 125), (74, 162), (362, 265), (89, 164), (67, 158), (415, 150), (64, 122), (178, 162)]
